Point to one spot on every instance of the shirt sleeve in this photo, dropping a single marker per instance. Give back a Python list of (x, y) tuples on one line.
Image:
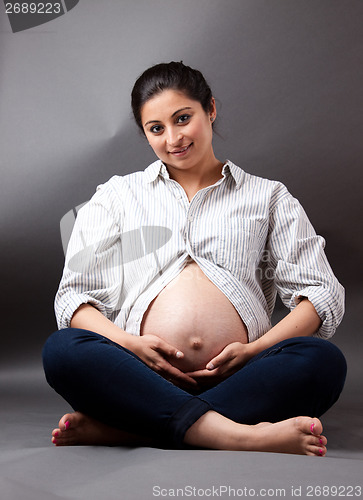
[(93, 265), (301, 266)]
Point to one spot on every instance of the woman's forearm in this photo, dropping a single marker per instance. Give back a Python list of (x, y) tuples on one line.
[(152, 350), (302, 321), (88, 317)]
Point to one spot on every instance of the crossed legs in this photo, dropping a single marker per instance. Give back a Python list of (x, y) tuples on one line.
[(112, 390)]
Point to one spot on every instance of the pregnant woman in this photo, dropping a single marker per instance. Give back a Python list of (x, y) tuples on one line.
[(169, 284)]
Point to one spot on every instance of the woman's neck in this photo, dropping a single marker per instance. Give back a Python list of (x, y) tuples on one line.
[(193, 181)]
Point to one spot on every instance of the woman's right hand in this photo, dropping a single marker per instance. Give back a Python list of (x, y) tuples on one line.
[(155, 352)]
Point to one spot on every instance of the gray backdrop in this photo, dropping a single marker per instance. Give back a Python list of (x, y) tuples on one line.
[(288, 79)]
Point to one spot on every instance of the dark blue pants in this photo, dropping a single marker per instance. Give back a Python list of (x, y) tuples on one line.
[(299, 376)]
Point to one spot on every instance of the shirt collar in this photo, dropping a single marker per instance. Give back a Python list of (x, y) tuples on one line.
[(237, 173), (158, 168), (152, 171)]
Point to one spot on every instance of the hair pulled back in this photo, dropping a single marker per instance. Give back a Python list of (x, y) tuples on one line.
[(170, 76)]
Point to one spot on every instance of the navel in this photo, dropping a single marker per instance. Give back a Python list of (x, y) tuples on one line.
[(196, 343)]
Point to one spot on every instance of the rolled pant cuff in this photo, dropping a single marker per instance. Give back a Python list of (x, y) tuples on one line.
[(184, 418)]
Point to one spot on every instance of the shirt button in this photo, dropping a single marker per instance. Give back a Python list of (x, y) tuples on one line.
[(190, 218)]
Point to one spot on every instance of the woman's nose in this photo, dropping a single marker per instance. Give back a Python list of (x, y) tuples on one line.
[(174, 137)]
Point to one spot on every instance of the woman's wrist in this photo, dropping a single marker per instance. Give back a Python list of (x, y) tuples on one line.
[(254, 348), (129, 341)]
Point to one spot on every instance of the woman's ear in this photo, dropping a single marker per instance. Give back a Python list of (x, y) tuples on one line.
[(213, 110)]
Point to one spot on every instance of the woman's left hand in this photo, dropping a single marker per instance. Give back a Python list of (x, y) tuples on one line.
[(233, 357)]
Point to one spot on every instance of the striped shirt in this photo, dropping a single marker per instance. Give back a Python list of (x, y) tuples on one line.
[(249, 236)]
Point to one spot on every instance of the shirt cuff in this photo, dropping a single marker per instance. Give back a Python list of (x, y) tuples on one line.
[(330, 310), (65, 316)]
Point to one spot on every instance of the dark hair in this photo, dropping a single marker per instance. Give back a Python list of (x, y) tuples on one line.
[(175, 76)]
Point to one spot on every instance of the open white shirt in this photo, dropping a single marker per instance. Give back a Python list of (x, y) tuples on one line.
[(249, 236)]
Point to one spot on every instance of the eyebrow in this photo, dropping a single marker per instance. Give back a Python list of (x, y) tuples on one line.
[(172, 116)]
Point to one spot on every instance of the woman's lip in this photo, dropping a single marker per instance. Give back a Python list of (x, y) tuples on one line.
[(181, 151)]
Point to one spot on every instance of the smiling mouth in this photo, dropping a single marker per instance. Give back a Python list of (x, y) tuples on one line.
[(181, 151)]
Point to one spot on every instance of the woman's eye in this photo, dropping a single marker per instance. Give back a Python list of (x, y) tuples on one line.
[(183, 118), (156, 129)]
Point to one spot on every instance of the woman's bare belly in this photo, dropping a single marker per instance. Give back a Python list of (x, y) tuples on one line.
[(194, 316)]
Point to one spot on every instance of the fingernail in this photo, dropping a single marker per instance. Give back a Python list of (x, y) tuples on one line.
[(179, 354), (67, 424), (320, 451), (54, 441), (320, 441), (210, 366), (312, 428), (56, 434)]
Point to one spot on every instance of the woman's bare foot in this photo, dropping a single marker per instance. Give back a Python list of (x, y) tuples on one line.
[(80, 429), (300, 435)]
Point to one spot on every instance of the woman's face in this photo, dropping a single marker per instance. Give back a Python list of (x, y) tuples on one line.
[(179, 130)]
